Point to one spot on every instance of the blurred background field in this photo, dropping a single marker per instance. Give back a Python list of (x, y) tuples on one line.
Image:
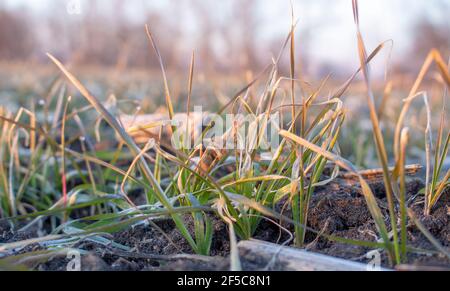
[(104, 44), (228, 36)]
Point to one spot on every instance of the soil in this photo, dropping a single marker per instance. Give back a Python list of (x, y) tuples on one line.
[(338, 209)]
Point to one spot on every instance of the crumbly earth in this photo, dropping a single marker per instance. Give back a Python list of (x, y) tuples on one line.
[(338, 209)]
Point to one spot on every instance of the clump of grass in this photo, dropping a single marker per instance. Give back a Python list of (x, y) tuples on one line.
[(437, 187), (434, 189), (398, 252), (186, 185), (135, 150), (378, 136)]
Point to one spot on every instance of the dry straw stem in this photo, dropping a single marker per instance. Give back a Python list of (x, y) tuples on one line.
[(428, 145), (441, 150), (11, 140), (63, 145), (161, 64), (292, 66), (191, 79), (378, 136), (435, 56), (403, 214)]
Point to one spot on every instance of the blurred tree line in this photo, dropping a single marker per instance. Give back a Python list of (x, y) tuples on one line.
[(96, 37), (112, 38)]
